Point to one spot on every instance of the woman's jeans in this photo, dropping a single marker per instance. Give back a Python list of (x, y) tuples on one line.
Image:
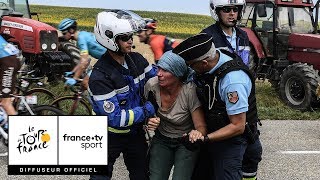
[(166, 152)]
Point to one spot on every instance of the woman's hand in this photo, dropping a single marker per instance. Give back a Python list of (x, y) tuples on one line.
[(153, 123), (194, 135)]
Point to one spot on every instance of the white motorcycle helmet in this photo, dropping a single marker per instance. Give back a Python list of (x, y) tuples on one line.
[(214, 4), (112, 23)]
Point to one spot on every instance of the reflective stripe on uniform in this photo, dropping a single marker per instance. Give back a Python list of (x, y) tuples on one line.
[(131, 117), (118, 131), (147, 69), (122, 90), (104, 96), (123, 118), (111, 94), (252, 178), (253, 174)]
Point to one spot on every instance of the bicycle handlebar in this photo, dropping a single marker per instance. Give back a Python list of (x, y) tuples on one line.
[(78, 83)]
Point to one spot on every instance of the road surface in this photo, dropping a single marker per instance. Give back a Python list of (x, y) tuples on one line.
[(291, 152)]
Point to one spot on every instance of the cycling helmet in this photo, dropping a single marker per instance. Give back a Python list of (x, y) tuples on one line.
[(110, 24), (66, 24), (214, 4), (150, 23)]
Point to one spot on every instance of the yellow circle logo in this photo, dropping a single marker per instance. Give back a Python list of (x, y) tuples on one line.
[(45, 137)]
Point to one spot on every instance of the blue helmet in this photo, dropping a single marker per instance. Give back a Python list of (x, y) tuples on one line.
[(66, 24)]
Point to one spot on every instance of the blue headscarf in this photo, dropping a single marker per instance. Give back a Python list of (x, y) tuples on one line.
[(176, 65)]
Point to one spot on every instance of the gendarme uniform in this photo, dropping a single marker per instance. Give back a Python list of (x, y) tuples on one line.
[(227, 89), (237, 43), (117, 92)]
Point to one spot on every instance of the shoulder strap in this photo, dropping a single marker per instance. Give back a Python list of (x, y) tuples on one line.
[(233, 65)]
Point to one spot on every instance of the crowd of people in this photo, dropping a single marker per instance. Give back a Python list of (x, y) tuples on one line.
[(198, 97)]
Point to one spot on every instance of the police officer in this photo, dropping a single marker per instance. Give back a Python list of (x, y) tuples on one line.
[(116, 85), (226, 35), (227, 92)]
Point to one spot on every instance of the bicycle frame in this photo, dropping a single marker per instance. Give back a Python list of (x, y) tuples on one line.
[(3, 133)]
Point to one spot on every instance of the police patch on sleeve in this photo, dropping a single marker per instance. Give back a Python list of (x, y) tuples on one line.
[(108, 106), (233, 97)]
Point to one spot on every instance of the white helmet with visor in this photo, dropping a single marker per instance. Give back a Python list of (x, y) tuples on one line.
[(216, 4), (111, 24)]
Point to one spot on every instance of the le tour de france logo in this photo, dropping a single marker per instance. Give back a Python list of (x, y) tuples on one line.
[(33, 140)]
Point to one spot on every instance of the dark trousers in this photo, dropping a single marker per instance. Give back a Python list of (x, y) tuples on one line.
[(251, 159), (134, 149), (221, 160)]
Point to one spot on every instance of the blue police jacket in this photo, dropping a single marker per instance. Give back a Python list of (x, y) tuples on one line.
[(117, 91), (220, 41)]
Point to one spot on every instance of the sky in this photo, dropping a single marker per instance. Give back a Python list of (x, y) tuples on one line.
[(180, 6)]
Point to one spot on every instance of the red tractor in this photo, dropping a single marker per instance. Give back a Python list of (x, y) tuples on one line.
[(37, 41), (285, 48)]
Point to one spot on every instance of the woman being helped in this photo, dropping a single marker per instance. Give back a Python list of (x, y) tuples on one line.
[(179, 113)]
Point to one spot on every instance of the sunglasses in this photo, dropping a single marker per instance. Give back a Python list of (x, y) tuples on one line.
[(64, 32), (126, 37), (140, 31), (71, 31), (228, 9)]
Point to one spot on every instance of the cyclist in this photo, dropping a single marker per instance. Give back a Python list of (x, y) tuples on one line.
[(116, 86), (87, 44), (9, 65), (159, 44)]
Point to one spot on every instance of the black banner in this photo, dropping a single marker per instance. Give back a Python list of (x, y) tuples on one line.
[(57, 170)]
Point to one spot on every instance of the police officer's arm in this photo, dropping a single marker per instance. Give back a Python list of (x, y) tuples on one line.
[(106, 102), (236, 127), (234, 92)]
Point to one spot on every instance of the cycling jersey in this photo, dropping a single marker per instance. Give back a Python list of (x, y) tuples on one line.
[(9, 65), (7, 49), (87, 44), (160, 44)]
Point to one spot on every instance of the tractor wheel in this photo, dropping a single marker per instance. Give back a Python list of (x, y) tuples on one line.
[(298, 86), (71, 50)]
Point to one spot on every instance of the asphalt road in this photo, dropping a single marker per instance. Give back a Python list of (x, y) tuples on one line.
[(291, 152)]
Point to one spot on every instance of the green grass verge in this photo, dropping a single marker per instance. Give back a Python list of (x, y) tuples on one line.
[(175, 25), (270, 106)]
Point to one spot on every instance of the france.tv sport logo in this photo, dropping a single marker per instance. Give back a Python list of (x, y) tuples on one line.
[(87, 141)]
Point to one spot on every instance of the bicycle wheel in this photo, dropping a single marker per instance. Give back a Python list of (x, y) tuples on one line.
[(73, 106), (44, 110), (44, 96)]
